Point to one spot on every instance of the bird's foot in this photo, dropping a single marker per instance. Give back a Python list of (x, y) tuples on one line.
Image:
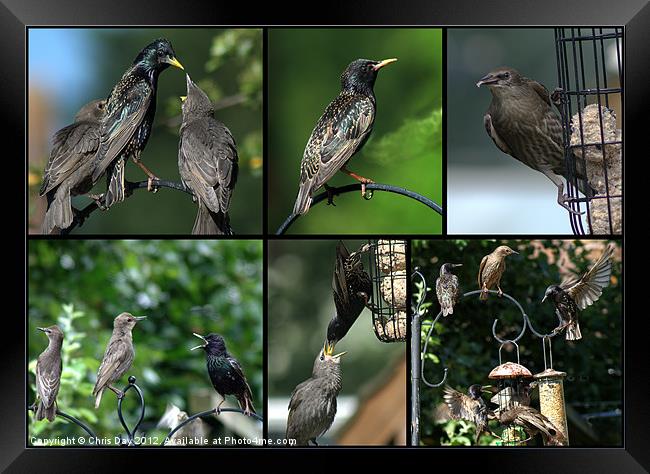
[(362, 180), (500, 292), (151, 186), (556, 96), (331, 192), (99, 200), (562, 200)]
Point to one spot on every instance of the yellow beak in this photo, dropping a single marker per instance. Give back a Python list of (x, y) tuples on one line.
[(183, 98), (176, 63), (383, 63)]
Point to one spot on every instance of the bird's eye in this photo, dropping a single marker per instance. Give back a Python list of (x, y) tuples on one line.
[(160, 52), (322, 357), (507, 75)]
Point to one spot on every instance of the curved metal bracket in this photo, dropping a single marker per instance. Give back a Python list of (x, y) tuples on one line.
[(208, 413), (131, 434), (71, 418)]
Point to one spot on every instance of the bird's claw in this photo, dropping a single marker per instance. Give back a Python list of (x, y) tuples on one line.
[(500, 293), (562, 201), (99, 201), (331, 192), (151, 186)]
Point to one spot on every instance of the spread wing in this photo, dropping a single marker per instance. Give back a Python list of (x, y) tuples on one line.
[(589, 287), (480, 271), (461, 406), (48, 380), (117, 355)]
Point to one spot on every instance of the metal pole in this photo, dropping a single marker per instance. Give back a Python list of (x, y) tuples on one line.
[(415, 379)]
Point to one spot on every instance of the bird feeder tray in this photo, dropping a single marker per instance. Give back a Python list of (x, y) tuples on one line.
[(509, 370)]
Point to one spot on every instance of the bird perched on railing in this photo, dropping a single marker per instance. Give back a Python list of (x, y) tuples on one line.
[(352, 290), (118, 356), (341, 131), (575, 294), (70, 167), (470, 407), (130, 111), (491, 269), (448, 288), (523, 124), (48, 374), (207, 162), (312, 407), (226, 374), (533, 422)]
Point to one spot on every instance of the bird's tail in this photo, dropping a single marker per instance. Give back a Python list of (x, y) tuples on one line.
[(581, 177), (211, 223), (246, 402), (98, 397), (573, 331), (45, 412), (59, 211), (303, 200)]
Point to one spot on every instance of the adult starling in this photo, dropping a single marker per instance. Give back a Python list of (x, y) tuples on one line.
[(532, 422), (352, 289), (340, 132), (470, 407), (118, 356), (225, 372), (523, 124), (491, 270), (575, 294), (70, 167), (48, 374), (130, 111), (448, 288), (312, 407), (207, 162)]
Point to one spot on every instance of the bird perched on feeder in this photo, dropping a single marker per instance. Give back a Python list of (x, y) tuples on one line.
[(523, 124), (491, 270), (130, 111), (448, 288), (532, 422), (352, 289), (340, 132), (69, 169), (312, 407), (207, 162), (225, 373), (575, 294), (48, 374), (118, 356), (470, 407), (191, 433)]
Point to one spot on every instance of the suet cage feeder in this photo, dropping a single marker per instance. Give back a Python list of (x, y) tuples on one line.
[(590, 100), (388, 274)]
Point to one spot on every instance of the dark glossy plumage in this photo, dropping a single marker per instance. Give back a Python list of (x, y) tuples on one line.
[(48, 374), (69, 169), (533, 422), (470, 407), (448, 288), (207, 162)]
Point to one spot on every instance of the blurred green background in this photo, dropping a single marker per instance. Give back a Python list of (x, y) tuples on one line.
[(181, 286), (405, 146), (463, 342), (69, 67)]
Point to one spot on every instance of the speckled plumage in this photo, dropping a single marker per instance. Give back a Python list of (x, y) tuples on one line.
[(533, 422), (48, 374), (491, 270), (470, 407), (448, 288)]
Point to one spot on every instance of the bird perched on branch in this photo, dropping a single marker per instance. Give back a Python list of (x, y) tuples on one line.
[(523, 124), (69, 169), (118, 356), (207, 162), (491, 270), (448, 288), (312, 407), (352, 290), (340, 132), (130, 111), (48, 374), (470, 407), (532, 422), (575, 294), (225, 373)]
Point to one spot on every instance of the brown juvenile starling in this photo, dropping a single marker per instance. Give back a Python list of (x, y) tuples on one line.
[(532, 422), (491, 270), (523, 124), (69, 169), (469, 407), (448, 288), (48, 374), (340, 132), (575, 294), (118, 356), (207, 162)]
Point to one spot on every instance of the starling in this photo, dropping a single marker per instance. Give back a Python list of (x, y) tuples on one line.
[(130, 111), (532, 422), (575, 294), (491, 270), (48, 374), (448, 288), (522, 123), (226, 373), (352, 289), (70, 167), (470, 407), (340, 132), (191, 433), (207, 162), (312, 407), (118, 356)]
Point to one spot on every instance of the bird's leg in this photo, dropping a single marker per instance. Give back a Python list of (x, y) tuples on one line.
[(561, 197), (484, 290), (99, 200), (313, 440), (500, 291), (151, 177), (223, 399), (119, 393), (361, 179), (331, 192)]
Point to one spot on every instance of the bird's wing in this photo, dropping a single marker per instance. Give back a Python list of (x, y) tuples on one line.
[(339, 280), (297, 395), (48, 381), (116, 354), (541, 91), (530, 417), (496, 138), (234, 363), (461, 406), (588, 289), (480, 271)]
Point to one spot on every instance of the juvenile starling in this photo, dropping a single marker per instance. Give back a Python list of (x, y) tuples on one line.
[(118, 356), (207, 162), (522, 123), (70, 167), (532, 422), (469, 407), (491, 270), (130, 111), (575, 294), (192, 433), (225, 372), (448, 288), (48, 374), (352, 289), (340, 132), (312, 407)]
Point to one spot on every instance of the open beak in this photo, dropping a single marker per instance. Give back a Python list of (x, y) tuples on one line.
[(202, 345), (383, 63), (487, 80), (174, 62), (544, 299), (328, 349), (183, 98), (42, 329), (338, 356)]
